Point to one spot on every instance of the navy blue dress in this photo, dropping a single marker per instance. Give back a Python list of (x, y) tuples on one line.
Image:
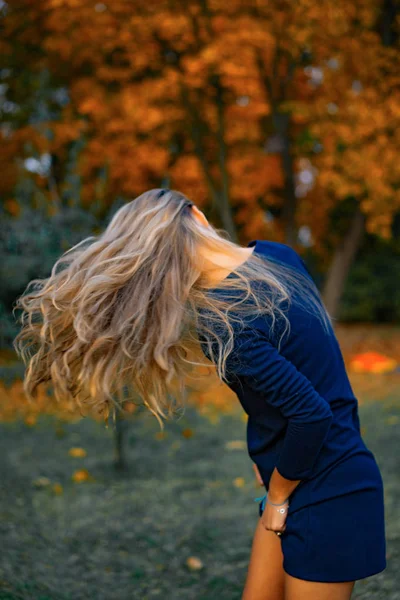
[(303, 419)]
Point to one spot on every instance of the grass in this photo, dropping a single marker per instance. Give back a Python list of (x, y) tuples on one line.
[(185, 495), (129, 535), (125, 535)]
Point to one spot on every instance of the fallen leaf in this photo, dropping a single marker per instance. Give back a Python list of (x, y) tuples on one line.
[(194, 563), (187, 433), (239, 482), (372, 362), (236, 445), (41, 482), (77, 452), (81, 475), (57, 489)]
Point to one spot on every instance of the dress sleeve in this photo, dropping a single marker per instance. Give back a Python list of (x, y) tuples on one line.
[(263, 369)]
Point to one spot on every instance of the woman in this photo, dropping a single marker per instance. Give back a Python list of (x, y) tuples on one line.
[(136, 307)]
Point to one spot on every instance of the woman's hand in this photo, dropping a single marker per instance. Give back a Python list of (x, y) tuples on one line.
[(273, 519)]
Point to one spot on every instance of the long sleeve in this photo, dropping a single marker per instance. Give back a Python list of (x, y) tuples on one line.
[(264, 370)]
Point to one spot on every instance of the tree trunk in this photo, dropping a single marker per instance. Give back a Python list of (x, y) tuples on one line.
[(342, 260), (225, 209), (282, 126), (219, 193), (345, 253), (119, 442), (281, 121)]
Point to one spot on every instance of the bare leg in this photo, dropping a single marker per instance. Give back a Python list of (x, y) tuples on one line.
[(299, 589), (265, 576)]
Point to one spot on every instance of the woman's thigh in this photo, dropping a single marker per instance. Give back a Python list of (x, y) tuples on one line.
[(299, 589), (265, 576)]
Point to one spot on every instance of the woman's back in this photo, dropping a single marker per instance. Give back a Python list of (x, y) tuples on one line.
[(316, 354), (303, 414)]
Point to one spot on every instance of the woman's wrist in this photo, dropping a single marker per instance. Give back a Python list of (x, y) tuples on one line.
[(279, 488), (277, 499)]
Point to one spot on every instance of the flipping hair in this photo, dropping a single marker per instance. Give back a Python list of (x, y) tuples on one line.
[(122, 312)]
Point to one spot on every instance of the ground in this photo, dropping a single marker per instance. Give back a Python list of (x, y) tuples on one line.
[(129, 535)]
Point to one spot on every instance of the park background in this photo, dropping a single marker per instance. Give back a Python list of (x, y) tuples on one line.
[(280, 120)]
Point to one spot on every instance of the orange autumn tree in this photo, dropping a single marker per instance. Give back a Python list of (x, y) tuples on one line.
[(358, 167), (256, 110), (283, 110)]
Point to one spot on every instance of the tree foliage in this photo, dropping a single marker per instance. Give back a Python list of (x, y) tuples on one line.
[(236, 104)]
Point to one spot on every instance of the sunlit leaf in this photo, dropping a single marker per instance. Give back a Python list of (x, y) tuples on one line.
[(194, 563), (81, 475), (239, 482), (77, 452)]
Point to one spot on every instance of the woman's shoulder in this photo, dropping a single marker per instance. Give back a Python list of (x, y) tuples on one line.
[(279, 251), (269, 245)]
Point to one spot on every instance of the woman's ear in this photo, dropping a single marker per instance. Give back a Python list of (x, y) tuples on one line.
[(200, 216)]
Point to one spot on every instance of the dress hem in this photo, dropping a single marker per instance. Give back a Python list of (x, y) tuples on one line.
[(317, 578)]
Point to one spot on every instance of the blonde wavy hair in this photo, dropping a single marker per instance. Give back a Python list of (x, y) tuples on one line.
[(126, 314)]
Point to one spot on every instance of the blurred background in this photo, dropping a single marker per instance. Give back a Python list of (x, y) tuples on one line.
[(281, 121)]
